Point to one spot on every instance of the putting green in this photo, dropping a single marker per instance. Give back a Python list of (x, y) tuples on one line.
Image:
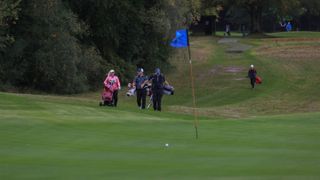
[(49, 138)]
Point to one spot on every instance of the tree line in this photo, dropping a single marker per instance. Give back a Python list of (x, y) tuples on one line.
[(265, 15), (67, 46)]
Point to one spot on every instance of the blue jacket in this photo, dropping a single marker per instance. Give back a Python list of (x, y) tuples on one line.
[(139, 80), (252, 73)]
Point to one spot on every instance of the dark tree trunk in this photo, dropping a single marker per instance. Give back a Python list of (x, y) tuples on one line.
[(255, 12), (251, 19)]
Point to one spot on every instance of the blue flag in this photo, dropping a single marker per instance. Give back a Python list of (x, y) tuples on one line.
[(181, 39)]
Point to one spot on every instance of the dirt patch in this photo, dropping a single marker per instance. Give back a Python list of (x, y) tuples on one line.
[(291, 52), (234, 46), (228, 69), (201, 55), (219, 70), (228, 41), (240, 79), (233, 69)]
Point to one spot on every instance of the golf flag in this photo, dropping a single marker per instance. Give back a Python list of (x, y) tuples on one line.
[(181, 40)]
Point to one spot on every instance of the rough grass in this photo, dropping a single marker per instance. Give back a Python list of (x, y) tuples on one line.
[(298, 52)]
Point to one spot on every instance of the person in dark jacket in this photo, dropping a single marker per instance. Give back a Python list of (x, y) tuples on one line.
[(140, 83), (158, 81), (252, 74)]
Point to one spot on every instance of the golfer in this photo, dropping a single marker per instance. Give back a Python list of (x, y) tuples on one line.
[(252, 74), (228, 30), (157, 80), (140, 83), (113, 82)]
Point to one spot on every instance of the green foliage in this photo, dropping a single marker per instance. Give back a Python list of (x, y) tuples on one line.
[(211, 7), (67, 46), (258, 11), (133, 34), (47, 55), (311, 7), (8, 15)]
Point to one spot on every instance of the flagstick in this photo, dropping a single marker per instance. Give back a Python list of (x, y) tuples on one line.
[(196, 121)]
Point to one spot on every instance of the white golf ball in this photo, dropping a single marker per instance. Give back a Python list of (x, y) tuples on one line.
[(167, 145)]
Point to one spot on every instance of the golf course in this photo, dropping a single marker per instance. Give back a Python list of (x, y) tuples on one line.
[(270, 132)]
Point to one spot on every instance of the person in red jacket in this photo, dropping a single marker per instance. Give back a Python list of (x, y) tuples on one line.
[(112, 82)]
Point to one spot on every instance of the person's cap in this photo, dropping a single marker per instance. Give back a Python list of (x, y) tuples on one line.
[(140, 70), (157, 71), (252, 66), (111, 71)]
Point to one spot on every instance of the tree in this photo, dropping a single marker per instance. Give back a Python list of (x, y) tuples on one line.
[(133, 33), (256, 9), (47, 54), (309, 19), (8, 15)]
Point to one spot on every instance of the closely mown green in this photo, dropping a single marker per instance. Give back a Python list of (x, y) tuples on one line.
[(60, 138)]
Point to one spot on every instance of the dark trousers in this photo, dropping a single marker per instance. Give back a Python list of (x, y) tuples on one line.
[(115, 98), (141, 98), (156, 97), (253, 82)]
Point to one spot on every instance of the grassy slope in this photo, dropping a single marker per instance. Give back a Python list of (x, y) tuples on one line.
[(289, 84), (46, 137)]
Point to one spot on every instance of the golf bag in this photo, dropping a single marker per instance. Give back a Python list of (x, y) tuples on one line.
[(167, 90), (131, 90), (258, 80), (106, 97)]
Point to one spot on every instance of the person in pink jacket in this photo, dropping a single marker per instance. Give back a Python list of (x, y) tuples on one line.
[(112, 82)]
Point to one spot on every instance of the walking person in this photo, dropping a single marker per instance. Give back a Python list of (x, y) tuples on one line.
[(252, 74), (227, 30), (140, 83), (113, 83), (243, 30), (157, 80)]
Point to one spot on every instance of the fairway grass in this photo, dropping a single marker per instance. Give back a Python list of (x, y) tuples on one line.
[(48, 138), (268, 133)]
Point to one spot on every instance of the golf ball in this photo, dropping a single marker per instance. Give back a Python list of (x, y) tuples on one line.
[(167, 145)]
